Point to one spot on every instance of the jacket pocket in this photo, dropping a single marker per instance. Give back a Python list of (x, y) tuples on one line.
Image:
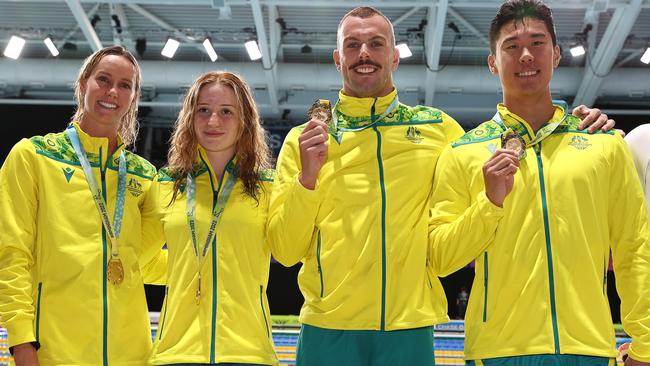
[(485, 285), (320, 267), (164, 313), (266, 321), (38, 311)]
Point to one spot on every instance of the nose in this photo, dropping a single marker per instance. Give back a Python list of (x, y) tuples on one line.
[(112, 90), (364, 52), (214, 120), (526, 57)]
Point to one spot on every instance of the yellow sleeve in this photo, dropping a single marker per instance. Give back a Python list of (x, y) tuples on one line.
[(18, 207), (453, 130), (630, 241), (460, 226), (153, 258), (293, 208)]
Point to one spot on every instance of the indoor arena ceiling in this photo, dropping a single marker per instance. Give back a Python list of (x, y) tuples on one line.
[(448, 39)]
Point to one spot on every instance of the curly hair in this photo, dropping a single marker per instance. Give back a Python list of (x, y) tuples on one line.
[(251, 150), (128, 129)]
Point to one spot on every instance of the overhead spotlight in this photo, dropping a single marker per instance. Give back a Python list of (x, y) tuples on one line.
[(305, 49), (578, 50), (116, 23), (95, 20), (50, 46), (14, 47), (210, 50), (170, 48), (253, 50), (646, 56), (140, 46), (404, 50)]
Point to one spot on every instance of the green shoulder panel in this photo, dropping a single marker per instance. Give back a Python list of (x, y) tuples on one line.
[(267, 175), (572, 123), (136, 165), (485, 131), (406, 115), (166, 175), (56, 146)]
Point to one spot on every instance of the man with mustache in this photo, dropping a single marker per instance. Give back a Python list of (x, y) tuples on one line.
[(556, 208), (351, 201)]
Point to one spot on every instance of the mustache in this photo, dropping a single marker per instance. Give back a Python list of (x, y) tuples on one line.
[(365, 62)]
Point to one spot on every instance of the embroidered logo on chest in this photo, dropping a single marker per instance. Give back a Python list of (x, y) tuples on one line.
[(414, 135), (579, 142), (68, 172), (134, 187)]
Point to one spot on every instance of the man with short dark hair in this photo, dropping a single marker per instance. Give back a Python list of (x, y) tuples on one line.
[(351, 200), (560, 199)]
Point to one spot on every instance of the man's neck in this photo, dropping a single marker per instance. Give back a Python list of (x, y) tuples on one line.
[(536, 110)]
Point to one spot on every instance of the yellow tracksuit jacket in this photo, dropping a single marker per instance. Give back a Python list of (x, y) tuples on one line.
[(232, 321), (540, 285), (54, 251), (363, 232)]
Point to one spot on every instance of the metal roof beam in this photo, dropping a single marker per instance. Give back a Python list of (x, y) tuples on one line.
[(267, 63), (469, 26), (433, 40), (610, 45), (87, 29)]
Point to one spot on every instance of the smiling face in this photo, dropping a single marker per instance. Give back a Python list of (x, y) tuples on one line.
[(217, 119), (109, 91), (524, 58), (366, 56)]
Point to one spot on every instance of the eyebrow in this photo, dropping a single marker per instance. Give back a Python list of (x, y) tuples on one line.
[(111, 75), (222, 105), (534, 35), (353, 38)]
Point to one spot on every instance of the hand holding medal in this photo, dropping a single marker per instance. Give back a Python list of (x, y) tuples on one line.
[(313, 142), (499, 171)]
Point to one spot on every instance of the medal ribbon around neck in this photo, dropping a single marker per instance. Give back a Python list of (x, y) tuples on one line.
[(541, 134), (217, 211), (336, 129), (113, 231)]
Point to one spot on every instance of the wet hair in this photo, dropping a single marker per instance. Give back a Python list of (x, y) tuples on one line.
[(251, 150), (517, 11)]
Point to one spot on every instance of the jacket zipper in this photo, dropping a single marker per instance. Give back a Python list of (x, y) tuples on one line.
[(320, 268), (485, 285), (549, 253)]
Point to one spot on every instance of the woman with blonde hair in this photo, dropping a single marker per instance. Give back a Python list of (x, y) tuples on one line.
[(214, 199), (76, 206)]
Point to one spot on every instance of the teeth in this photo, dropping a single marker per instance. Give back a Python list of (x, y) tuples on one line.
[(365, 70), (528, 73), (108, 105)]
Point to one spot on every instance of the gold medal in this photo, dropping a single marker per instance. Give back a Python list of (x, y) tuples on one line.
[(115, 271), (510, 140), (321, 111)]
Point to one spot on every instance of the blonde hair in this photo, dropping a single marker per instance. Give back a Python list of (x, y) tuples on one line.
[(251, 151), (128, 128)]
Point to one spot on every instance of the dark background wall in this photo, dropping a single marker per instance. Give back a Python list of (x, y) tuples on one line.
[(23, 121)]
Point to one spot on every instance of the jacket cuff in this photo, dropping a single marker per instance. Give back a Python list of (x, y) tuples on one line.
[(20, 331), (639, 351), (489, 209), (309, 195)]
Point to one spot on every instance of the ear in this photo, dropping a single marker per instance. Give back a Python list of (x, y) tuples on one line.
[(337, 59), (557, 55), (492, 65), (395, 58)]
